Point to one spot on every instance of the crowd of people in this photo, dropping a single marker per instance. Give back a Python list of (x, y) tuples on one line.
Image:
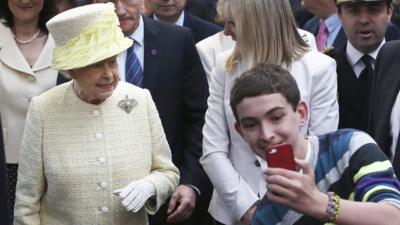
[(166, 112)]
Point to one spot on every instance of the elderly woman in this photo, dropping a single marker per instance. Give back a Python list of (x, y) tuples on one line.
[(93, 150), (265, 32)]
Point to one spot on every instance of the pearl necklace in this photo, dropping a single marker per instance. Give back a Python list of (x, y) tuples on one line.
[(27, 41)]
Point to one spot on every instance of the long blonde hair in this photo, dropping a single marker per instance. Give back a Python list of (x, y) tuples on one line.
[(266, 32)]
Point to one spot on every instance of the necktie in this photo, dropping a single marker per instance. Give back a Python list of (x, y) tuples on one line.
[(133, 69), (365, 81), (368, 72), (322, 36)]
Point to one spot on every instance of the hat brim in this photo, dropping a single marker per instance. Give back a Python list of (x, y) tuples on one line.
[(343, 2), (99, 41)]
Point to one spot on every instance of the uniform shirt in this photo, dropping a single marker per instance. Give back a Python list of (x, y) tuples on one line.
[(354, 57)]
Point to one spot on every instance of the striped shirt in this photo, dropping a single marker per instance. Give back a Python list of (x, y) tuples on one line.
[(347, 162)]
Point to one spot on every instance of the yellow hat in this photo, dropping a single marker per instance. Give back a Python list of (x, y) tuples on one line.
[(86, 35)]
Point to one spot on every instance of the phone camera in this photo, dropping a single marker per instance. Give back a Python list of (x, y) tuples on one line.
[(272, 150)]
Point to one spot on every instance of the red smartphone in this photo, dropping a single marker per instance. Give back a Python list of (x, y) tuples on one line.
[(281, 156)]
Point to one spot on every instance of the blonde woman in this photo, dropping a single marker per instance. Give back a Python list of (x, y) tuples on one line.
[(265, 32), (222, 41)]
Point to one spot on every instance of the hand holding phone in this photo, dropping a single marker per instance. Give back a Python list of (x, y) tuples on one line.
[(281, 156)]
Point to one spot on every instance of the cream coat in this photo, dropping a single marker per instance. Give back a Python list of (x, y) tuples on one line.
[(18, 84), (75, 154), (227, 158)]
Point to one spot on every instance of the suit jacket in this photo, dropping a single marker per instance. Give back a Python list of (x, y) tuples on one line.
[(228, 160), (312, 26), (200, 28), (74, 154), (18, 84), (205, 9), (353, 99), (4, 202), (210, 47), (177, 82), (385, 88), (301, 14), (392, 33)]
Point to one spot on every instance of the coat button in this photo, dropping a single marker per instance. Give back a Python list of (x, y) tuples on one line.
[(103, 185), (31, 79), (104, 210), (101, 160), (257, 163), (99, 136), (96, 113)]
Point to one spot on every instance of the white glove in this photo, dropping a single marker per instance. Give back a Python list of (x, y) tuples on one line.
[(135, 194)]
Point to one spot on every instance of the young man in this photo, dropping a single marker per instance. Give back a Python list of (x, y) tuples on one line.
[(344, 178)]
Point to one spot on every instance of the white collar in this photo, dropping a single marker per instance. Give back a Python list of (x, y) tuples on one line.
[(138, 34), (354, 56)]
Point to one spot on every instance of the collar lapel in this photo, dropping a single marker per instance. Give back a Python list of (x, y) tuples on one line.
[(46, 56), (152, 53)]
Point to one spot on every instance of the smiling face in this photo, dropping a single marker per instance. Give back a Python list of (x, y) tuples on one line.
[(268, 120), (95, 83), (168, 10), (25, 11), (365, 24)]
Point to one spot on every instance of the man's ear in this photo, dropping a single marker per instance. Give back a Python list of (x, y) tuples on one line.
[(302, 113), (238, 128), (339, 12), (390, 12)]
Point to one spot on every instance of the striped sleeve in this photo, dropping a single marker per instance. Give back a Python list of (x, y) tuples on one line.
[(373, 176)]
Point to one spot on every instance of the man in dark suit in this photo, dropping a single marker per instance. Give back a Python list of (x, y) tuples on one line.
[(205, 9), (364, 22), (301, 14), (4, 205), (384, 120), (325, 11), (172, 11), (173, 73)]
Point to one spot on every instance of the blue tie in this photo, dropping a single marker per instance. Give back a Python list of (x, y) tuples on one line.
[(133, 69)]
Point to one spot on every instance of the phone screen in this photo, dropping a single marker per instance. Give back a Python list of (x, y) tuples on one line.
[(281, 156)]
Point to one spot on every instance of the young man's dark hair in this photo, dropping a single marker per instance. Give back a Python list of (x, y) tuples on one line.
[(265, 79)]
